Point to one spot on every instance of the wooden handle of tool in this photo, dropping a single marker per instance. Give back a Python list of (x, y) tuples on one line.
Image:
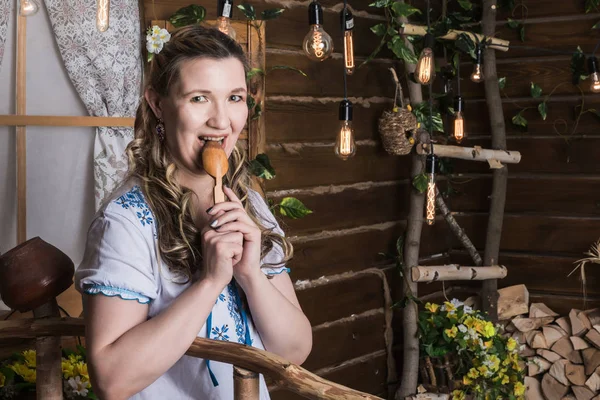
[(219, 195)]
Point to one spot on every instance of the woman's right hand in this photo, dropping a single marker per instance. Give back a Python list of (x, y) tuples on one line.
[(221, 251)]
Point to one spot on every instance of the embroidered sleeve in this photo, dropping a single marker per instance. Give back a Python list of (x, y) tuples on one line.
[(117, 260)]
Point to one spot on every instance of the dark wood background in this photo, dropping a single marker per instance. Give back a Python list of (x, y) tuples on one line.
[(360, 205)]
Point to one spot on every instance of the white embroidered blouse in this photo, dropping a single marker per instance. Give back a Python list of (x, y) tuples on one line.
[(122, 259)]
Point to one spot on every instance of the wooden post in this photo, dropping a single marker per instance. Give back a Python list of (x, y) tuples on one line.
[(245, 384), (471, 153), (48, 384), (489, 292)]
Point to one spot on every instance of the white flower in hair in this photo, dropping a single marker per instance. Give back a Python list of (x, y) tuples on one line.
[(156, 37)]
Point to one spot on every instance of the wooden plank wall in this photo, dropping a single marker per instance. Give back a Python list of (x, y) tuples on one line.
[(359, 205), (552, 208)]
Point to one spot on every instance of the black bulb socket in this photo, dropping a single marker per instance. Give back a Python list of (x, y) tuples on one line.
[(315, 14), (478, 54), (225, 8), (428, 41), (431, 163), (347, 20), (459, 104), (592, 64), (345, 110)]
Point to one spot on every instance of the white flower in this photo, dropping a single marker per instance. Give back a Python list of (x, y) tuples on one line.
[(462, 328), (154, 47), (468, 310), (164, 35), (456, 303), (156, 30), (78, 386), (472, 333)]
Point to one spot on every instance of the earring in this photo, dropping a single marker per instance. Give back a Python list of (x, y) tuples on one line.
[(160, 129)]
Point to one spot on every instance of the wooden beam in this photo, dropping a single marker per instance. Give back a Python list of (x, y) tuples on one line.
[(455, 272), (21, 106), (48, 120), (417, 30), (471, 153)]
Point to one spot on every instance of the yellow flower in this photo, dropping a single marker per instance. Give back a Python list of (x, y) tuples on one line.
[(68, 369), (467, 381), (82, 369), (451, 333), (487, 344), (519, 389), (505, 380), (29, 358), (2, 380), (511, 344), (494, 362), (409, 108), (432, 307), (469, 322), (483, 370), (74, 358), (489, 330), (449, 306), (24, 371), (473, 373), (395, 109), (458, 395)]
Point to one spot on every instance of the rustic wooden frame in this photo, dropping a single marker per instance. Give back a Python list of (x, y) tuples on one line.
[(251, 34)]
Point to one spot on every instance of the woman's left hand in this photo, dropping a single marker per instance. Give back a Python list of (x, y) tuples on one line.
[(230, 216)]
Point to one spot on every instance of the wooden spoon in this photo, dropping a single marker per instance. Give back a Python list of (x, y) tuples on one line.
[(214, 161)]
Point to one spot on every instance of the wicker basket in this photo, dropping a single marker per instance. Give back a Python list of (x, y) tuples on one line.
[(396, 126)]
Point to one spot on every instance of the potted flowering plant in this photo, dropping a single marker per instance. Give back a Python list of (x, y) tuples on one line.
[(18, 375), (478, 360)]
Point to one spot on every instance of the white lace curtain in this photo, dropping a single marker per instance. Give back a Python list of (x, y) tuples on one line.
[(5, 11), (106, 70)]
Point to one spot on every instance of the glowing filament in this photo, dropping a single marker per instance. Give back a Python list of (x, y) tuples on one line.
[(459, 127), (430, 209), (595, 83), (348, 52), (425, 70), (102, 13), (477, 75), (224, 25), (344, 144)]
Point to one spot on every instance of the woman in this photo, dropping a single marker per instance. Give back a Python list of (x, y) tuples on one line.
[(162, 264)]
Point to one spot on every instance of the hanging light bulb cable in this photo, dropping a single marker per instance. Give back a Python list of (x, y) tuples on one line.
[(345, 146)]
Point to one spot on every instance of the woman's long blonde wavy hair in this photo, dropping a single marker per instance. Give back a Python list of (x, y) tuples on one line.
[(151, 163)]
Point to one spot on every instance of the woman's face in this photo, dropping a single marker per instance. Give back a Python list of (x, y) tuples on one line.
[(208, 102)]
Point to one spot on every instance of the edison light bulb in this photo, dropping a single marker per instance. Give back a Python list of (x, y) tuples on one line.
[(459, 122), (348, 26), (317, 44), (28, 8), (225, 10), (425, 70), (593, 69), (102, 14), (477, 75), (430, 164), (344, 143)]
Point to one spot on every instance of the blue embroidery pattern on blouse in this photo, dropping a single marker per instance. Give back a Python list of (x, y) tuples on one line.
[(221, 334), (135, 199), (234, 312), (220, 298)]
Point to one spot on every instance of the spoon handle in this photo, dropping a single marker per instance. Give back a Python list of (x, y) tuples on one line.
[(219, 195)]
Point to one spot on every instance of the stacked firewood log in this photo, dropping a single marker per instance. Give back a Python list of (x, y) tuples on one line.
[(562, 352)]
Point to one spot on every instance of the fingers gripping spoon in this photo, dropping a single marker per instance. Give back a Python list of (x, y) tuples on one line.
[(214, 161)]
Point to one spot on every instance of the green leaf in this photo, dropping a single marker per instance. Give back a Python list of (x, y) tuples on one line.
[(274, 67), (261, 167), (400, 248), (513, 24), (250, 102), (433, 124), (596, 25), (465, 4), (380, 3), (535, 90), (578, 71), (379, 29), (455, 61), (248, 11), (271, 13), (293, 208), (522, 33), (519, 120), (190, 15), (402, 9), (401, 50), (92, 395), (595, 112), (543, 109), (420, 183), (502, 82), (591, 5), (441, 28), (465, 44), (253, 72)]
